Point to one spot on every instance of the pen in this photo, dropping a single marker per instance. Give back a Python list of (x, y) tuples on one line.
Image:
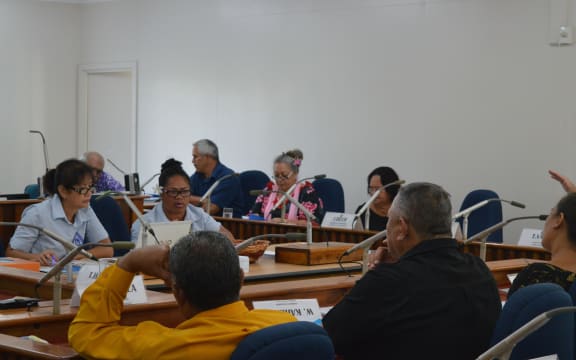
[(53, 260)]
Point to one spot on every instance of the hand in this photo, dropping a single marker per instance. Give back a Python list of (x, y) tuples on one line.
[(380, 255), (563, 180), (47, 258), (150, 260)]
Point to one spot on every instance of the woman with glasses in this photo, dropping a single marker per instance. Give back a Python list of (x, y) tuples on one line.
[(379, 208), (286, 168), (175, 203), (66, 213), (559, 238)]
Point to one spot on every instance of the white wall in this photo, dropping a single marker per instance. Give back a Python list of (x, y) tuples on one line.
[(38, 57), (466, 94)]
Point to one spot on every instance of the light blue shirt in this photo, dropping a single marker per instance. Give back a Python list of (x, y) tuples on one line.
[(50, 215), (200, 220)]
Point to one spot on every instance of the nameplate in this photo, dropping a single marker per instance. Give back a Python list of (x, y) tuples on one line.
[(338, 220), (302, 309), (89, 273), (531, 237)]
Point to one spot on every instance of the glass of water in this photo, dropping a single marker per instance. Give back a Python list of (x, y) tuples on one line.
[(227, 212)]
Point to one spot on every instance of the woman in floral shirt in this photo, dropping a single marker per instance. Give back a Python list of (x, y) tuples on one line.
[(286, 168)]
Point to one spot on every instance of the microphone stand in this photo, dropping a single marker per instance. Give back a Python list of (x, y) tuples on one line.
[(365, 246), (148, 181), (466, 212), (56, 271), (366, 207), (289, 191), (503, 349), (483, 235), (43, 146), (211, 189), (290, 236)]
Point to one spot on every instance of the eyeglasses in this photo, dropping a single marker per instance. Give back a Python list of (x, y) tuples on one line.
[(282, 176), (176, 192), (83, 190), (372, 189)]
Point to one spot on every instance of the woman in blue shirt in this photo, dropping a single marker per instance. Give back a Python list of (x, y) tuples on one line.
[(67, 213)]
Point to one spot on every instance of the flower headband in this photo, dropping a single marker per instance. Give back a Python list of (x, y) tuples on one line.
[(297, 162)]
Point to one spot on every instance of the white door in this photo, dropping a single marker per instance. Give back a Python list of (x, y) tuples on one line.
[(107, 115)]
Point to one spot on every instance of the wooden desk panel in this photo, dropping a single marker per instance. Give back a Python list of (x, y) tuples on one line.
[(11, 210)]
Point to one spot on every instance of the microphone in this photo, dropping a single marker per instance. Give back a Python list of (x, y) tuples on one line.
[(365, 245), (116, 166), (145, 225), (503, 349), (44, 147), (289, 236), (67, 245), (467, 211), (367, 204), (131, 181), (483, 235), (291, 189), (307, 213), (216, 183), (72, 254), (148, 181)]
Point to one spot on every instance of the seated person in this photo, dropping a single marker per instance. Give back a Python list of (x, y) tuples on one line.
[(228, 194), (567, 185), (559, 238), (175, 204), (286, 168), (66, 212), (102, 180), (431, 301), (205, 275), (379, 208)]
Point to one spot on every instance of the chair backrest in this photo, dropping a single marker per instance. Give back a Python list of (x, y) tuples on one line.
[(331, 193), (556, 337), (299, 340), (252, 180), (485, 216), (110, 215), (33, 190)]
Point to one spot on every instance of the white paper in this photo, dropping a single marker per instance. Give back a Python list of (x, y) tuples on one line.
[(338, 220), (302, 309)]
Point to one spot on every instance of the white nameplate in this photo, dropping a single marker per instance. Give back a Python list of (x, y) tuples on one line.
[(338, 220), (531, 237), (90, 272), (302, 309)]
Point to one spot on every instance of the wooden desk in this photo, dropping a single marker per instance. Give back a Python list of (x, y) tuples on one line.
[(11, 210), (507, 251)]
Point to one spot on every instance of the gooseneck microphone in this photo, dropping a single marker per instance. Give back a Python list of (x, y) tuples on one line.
[(211, 189), (44, 146), (366, 206), (289, 236), (364, 245), (131, 181), (67, 245), (483, 235), (291, 189)]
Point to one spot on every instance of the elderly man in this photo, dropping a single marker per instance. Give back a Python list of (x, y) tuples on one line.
[(209, 169), (102, 180), (205, 274), (425, 299)]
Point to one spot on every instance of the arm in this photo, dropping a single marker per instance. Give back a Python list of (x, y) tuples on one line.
[(567, 185), (45, 258), (224, 195), (100, 251), (97, 320)]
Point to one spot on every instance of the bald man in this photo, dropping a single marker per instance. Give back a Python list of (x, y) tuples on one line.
[(102, 180)]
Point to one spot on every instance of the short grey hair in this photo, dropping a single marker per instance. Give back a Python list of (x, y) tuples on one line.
[(207, 147), (88, 154), (205, 267), (427, 208)]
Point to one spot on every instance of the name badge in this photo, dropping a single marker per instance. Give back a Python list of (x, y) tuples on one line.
[(89, 273), (301, 309), (338, 220), (531, 237)]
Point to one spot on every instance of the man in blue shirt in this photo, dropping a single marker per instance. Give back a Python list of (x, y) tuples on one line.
[(228, 194)]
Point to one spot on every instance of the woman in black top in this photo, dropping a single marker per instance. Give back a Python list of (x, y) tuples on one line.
[(379, 208), (558, 237)]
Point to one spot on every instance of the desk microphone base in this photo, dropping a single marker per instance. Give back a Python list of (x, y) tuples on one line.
[(315, 254)]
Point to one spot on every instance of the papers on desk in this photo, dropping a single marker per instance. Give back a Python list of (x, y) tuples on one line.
[(302, 309)]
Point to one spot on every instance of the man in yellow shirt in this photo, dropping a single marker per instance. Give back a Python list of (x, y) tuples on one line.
[(205, 274)]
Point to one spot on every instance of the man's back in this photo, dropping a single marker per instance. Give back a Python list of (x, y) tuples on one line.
[(435, 302)]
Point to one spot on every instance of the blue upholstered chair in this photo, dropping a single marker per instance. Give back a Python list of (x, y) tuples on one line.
[(33, 190), (300, 340), (110, 215), (331, 193), (252, 180), (556, 337), (485, 216)]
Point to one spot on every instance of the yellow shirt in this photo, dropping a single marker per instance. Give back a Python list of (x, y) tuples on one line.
[(211, 334)]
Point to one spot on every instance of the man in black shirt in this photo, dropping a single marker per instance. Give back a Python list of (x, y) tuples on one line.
[(431, 302)]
